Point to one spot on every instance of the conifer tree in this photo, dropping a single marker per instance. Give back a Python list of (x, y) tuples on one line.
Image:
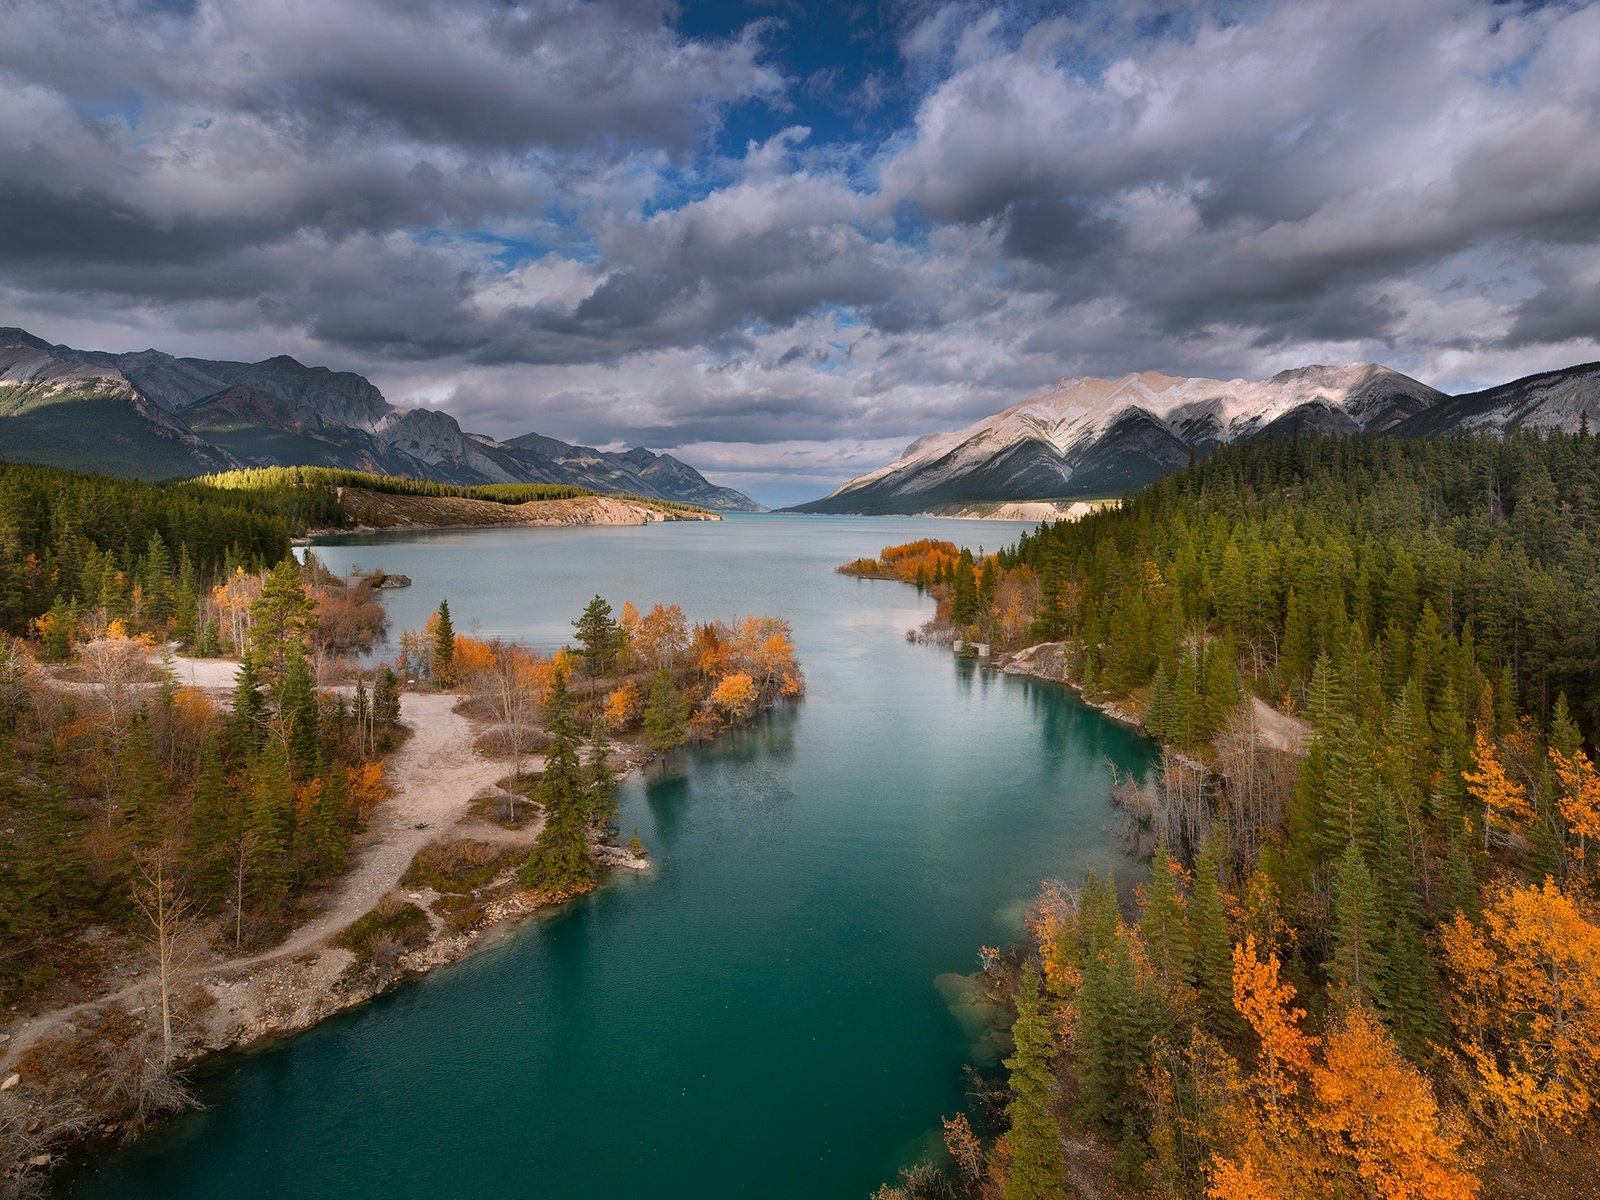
[(1158, 715), (1356, 968), (444, 647), (560, 861), (386, 698), (1211, 944), (213, 823), (1037, 1170), (270, 824), (1165, 927), (602, 787), (143, 785), (599, 635), (666, 715), (299, 715)]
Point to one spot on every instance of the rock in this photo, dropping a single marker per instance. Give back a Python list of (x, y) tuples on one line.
[(391, 581), (11, 1081), (39, 1160)]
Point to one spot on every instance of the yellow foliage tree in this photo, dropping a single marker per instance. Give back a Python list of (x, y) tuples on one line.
[(1525, 1007), (1375, 1109), (735, 696), (1579, 801), (624, 707), (1503, 799)]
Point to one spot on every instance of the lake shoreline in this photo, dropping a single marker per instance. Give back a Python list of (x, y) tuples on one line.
[(242, 1006)]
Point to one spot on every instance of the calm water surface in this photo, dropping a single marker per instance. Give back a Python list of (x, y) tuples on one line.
[(776, 1010)]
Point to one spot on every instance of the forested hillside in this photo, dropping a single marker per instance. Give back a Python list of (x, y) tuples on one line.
[(1373, 971)]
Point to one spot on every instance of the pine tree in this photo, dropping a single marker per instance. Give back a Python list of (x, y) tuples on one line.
[(300, 715), (602, 787), (444, 647), (560, 862), (599, 635), (270, 824), (1037, 1170), (279, 620), (666, 715), (1357, 931), (1211, 944)]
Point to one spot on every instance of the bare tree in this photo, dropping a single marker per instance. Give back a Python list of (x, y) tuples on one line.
[(170, 914), (114, 665), (238, 869)]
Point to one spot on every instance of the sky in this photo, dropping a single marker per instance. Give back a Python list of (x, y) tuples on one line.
[(781, 240)]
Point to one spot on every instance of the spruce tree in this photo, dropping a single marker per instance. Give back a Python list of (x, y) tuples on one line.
[(602, 788), (300, 715), (386, 698), (144, 785), (666, 716), (599, 635), (560, 861), (186, 602), (1211, 944), (1037, 1170), (212, 825), (1165, 927), (1158, 715), (1356, 968), (444, 647), (270, 824), (247, 725)]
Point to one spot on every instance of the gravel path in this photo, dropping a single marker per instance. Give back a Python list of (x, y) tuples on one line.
[(434, 777)]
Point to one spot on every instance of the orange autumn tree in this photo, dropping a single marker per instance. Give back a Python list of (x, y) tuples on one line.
[(735, 696), (1579, 802), (624, 707), (1503, 799), (1525, 1007), (1374, 1108), (1269, 1150)]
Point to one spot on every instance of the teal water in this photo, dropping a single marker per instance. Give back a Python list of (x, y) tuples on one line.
[(774, 1010)]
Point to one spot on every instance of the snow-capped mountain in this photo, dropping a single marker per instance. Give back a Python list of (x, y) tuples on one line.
[(1099, 436), (153, 415)]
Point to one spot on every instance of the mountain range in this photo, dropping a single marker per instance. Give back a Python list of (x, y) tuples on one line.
[(151, 415), (1097, 437)]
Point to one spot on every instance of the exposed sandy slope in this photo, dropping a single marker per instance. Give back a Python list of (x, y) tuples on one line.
[(1021, 510), (1279, 730), (381, 510)]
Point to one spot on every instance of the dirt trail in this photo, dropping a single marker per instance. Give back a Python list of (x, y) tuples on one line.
[(434, 777)]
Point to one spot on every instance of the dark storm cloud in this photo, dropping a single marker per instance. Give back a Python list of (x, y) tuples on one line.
[(524, 211)]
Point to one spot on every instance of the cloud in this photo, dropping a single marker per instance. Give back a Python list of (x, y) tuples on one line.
[(578, 218)]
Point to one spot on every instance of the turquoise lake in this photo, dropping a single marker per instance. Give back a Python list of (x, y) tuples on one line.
[(774, 1011)]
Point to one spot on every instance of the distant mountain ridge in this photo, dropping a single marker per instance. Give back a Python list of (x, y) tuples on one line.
[(1096, 437), (152, 415)]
